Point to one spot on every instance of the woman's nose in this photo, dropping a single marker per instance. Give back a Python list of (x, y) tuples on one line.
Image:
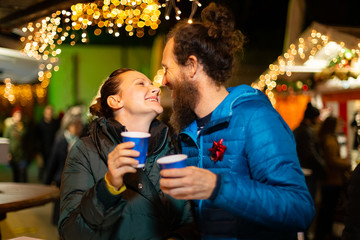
[(155, 90)]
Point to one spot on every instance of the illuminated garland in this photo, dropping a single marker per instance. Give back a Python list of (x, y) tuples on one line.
[(306, 51), (44, 37), (107, 16), (24, 94), (283, 86), (343, 67)]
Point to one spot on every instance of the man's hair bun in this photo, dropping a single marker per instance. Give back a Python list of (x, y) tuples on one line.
[(218, 20)]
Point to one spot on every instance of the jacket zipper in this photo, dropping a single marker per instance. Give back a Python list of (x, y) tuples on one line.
[(201, 166), (163, 143)]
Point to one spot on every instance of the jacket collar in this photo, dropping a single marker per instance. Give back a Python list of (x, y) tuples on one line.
[(223, 112), (106, 134)]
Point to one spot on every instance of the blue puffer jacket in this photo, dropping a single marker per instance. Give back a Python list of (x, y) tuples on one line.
[(262, 193)]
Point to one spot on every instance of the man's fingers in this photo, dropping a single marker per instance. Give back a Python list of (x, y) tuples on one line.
[(188, 183), (175, 172), (177, 193), (171, 183), (182, 192)]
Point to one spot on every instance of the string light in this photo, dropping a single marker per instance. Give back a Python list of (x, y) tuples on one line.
[(345, 66), (159, 77), (107, 16), (24, 94), (43, 38), (316, 41)]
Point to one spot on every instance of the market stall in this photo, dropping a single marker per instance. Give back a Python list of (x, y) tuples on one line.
[(322, 67)]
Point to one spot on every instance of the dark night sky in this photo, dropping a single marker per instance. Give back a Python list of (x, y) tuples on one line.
[(264, 22)]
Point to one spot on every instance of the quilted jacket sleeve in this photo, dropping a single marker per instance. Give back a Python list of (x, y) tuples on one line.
[(274, 193), (83, 210)]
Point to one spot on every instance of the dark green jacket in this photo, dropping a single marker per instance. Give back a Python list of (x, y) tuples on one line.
[(90, 211)]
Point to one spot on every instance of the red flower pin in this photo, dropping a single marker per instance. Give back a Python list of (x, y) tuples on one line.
[(217, 151)]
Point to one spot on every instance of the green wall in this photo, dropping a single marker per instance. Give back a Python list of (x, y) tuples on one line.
[(84, 67)]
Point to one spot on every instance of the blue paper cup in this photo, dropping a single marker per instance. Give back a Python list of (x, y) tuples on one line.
[(141, 140), (172, 161)]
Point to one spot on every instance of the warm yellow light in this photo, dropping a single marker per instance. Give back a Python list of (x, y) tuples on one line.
[(101, 24), (48, 74), (154, 26), (46, 35), (141, 24), (139, 34), (97, 31), (128, 28)]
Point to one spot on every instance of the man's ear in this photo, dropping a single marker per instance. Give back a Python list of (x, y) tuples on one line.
[(192, 64), (115, 102)]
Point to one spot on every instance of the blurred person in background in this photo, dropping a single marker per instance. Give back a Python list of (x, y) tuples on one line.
[(15, 130), (337, 173), (309, 149), (46, 132), (355, 126), (72, 127), (352, 217), (103, 194), (2, 123)]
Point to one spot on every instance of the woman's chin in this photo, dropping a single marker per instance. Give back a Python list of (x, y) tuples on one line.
[(155, 112), (159, 110)]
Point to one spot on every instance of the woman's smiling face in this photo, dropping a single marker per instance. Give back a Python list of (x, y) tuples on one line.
[(138, 94)]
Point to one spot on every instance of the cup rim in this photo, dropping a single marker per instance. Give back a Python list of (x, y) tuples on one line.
[(172, 158), (136, 134)]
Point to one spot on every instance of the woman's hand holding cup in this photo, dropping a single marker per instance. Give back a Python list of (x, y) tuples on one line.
[(121, 161)]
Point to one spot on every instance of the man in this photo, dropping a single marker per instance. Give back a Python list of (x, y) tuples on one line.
[(46, 130), (245, 178), (352, 219), (309, 149)]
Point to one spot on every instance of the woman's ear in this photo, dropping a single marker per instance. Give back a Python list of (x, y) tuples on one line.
[(115, 102)]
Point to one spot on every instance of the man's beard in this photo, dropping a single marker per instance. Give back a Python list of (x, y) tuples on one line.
[(186, 97)]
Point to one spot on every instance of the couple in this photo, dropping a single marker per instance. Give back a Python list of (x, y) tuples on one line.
[(243, 174)]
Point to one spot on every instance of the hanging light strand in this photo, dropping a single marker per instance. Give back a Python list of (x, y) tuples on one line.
[(107, 16)]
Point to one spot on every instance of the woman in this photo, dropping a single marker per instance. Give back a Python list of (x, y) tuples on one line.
[(336, 172), (103, 194)]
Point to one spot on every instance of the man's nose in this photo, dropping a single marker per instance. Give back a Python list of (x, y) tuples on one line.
[(164, 81)]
